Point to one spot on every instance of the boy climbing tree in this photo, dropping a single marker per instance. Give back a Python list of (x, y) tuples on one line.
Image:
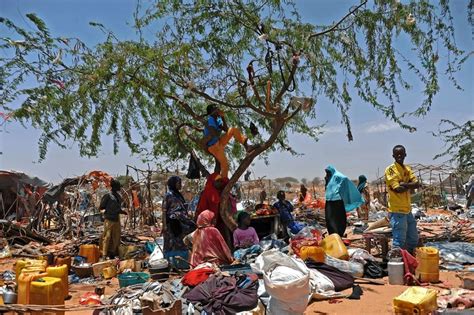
[(215, 141)]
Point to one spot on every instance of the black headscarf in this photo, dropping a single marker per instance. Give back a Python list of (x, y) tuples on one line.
[(173, 187)]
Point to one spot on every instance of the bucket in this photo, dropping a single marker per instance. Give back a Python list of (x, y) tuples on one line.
[(396, 270), (428, 264), (131, 278)]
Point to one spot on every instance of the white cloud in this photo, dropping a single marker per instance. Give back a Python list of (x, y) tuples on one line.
[(333, 129), (380, 127)]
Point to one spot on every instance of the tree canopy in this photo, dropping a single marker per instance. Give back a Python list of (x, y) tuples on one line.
[(258, 60)]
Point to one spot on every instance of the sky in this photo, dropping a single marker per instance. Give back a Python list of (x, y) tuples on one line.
[(374, 135)]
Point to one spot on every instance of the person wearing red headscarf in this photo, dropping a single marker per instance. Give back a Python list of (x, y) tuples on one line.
[(211, 198), (208, 243)]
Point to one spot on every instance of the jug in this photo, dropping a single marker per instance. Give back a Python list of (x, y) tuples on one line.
[(428, 264), (334, 246)]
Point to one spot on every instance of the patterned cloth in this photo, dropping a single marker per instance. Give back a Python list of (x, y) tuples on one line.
[(176, 222)]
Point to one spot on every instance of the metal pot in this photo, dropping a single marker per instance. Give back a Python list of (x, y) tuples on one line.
[(9, 297)]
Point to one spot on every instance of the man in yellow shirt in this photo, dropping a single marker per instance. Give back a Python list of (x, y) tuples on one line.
[(400, 180)]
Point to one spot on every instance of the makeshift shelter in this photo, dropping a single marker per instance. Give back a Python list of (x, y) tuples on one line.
[(19, 194)]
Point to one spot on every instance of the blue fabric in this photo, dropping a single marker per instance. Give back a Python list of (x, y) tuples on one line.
[(285, 208), (295, 227), (178, 263), (342, 188), (241, 253), (404, 232), (215, 123)]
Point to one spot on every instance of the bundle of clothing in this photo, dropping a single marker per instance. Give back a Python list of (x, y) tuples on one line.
[(221, 294)]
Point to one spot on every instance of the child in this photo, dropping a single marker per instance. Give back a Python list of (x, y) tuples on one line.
[(285, 208), (245, 237)]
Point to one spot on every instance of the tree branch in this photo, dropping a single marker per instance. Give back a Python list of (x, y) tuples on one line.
[(334, 27), (285, 86)]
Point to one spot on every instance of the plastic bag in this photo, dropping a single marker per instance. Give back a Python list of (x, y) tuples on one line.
[(89, 298), (5, 252), (286, 281), (354, 268), (360, 255)]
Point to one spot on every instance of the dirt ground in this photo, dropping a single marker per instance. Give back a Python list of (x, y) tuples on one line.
[(377, 299)]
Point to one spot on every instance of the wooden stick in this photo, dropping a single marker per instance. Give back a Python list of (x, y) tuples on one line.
[(373, 281)]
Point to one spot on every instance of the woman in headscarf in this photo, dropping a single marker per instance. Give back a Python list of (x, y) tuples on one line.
[(210, 200), (176, 224), (341, 196), (363, 188), (208, 243)]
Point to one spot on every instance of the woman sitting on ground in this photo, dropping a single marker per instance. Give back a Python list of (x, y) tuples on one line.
[(208, 243)]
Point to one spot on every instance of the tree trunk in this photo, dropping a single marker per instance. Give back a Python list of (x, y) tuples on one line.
[(225, 205)]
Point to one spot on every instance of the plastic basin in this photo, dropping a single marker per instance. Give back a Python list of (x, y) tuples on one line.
[(131, 278)]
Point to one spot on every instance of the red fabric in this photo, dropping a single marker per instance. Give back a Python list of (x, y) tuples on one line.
[(210, 200), (410, 266), (208, 243), (196, 276)]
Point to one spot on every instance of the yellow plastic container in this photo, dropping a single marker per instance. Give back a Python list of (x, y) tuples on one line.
[(334, 247), (415, 300), (60, 272), (64, 260), (91, 252), (109, 272), (47, 291), (428, 264), (24, 283), (315, 253), (30, 265)]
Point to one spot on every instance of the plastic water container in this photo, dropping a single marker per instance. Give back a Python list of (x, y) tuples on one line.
[(63, 260), (23, 285), (396, 270), (428, 264), (334, 246), (31, 264), (60, 272), (416, 300), (91, 252), (314, 253), (47, 291)]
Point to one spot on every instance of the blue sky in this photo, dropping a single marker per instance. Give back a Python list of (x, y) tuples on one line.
[(374, 136)]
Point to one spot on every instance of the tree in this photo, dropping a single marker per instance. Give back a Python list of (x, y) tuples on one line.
[(251, 58), (459, 144), (304, 181)]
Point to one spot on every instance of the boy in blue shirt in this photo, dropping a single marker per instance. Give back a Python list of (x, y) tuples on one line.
[(217, 135)]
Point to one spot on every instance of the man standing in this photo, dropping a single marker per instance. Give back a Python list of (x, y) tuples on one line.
[(112, 204), (400, 180)]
